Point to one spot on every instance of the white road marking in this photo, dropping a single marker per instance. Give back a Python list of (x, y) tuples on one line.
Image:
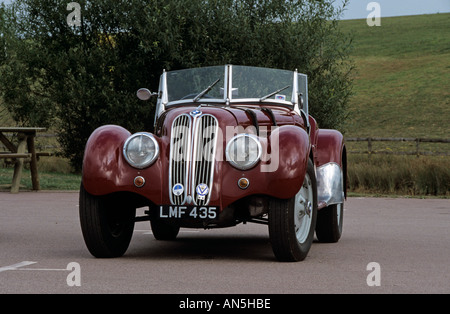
[(43, 269), (16, 266), (21, 266)]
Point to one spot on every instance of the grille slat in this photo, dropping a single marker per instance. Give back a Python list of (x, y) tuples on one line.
[(179, 157), (193, 148)]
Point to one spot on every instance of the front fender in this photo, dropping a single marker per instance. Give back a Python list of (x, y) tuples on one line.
[(290, 148), (281, 171), (105, 170)]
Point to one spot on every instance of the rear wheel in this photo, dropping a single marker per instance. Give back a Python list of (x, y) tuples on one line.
[(107, 224), (329, 223), (164, 231), (292, 222)]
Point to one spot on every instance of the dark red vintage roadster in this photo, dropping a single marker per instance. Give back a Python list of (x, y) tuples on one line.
[(231, 144)]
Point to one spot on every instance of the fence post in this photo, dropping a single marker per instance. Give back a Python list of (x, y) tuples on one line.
[(417, 147)]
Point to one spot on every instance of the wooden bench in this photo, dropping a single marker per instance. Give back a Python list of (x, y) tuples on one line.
[(13, 156), (18, 153)]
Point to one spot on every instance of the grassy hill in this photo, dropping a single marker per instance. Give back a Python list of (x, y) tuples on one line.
[(402, 78), (401, 89)]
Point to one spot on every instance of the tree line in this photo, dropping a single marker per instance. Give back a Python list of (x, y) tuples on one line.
[(75, 77)]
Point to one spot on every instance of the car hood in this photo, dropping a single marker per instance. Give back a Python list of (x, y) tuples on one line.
[(228, 116)]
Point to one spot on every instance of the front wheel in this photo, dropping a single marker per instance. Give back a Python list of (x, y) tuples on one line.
[(107, 224), (292, 222)]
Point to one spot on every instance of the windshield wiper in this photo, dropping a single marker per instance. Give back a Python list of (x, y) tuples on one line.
[(275, 92), (203, 93)]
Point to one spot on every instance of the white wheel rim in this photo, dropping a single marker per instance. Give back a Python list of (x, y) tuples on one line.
[(303, 210), (339, 215)]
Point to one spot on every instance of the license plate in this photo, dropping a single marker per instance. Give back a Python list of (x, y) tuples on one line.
[(188, 212)]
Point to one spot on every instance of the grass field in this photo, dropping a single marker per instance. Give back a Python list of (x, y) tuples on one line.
[(48, 180), (402, 79), (399, 175)]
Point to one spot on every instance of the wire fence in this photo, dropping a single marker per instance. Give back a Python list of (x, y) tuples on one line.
[(398, 146)]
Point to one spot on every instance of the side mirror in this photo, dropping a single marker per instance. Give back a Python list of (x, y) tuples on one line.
[(145, 94)]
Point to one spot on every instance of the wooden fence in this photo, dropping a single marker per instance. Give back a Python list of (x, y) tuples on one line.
[(416, 143)]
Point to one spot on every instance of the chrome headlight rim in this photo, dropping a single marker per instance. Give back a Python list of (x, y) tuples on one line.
[(147, 163), (254, 162)]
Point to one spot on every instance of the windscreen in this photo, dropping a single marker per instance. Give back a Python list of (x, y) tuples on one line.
[(187, 84), (254, 82)]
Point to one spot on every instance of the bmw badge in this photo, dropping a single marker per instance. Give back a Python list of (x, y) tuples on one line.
[(178, 189)]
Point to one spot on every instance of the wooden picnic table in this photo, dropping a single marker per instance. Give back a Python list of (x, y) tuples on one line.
[(26, 136)]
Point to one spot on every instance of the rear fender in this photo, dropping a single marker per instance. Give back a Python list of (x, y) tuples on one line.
[(331, 168)]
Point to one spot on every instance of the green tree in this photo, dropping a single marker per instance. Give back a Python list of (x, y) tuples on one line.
[(78, 78)]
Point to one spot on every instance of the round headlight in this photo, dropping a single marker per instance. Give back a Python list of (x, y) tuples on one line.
[(141, 150), (243, 151)]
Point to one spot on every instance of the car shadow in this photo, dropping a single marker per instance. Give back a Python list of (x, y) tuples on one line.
[(201, 247)]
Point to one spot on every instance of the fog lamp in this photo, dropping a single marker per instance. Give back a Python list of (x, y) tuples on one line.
[(139, 181), (243, 183)]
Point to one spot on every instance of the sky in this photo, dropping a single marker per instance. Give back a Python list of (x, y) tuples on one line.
[(358, 8)]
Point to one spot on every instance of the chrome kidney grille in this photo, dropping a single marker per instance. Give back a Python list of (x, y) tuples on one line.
[(179, 156), (192, 159)]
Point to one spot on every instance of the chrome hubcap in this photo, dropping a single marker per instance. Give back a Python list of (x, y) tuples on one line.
[(303, 210)]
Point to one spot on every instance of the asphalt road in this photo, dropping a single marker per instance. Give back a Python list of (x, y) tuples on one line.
[(388, 246)]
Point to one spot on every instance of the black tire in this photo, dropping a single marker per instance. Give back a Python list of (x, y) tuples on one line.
[(290, 243), (164, 231), (106, 223), (329, 223)]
